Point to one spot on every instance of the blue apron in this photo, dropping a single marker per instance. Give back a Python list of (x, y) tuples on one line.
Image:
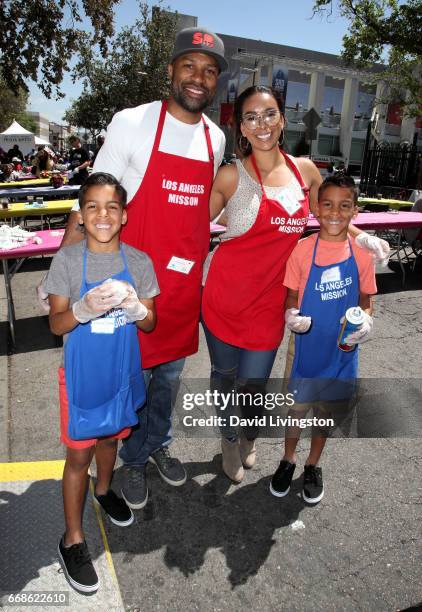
[(321, 371), (102, 363)]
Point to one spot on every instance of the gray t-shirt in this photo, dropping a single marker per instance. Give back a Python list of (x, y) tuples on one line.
[(65, 275)]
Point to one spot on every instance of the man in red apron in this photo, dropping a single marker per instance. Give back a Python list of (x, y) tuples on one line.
[(166, 154)]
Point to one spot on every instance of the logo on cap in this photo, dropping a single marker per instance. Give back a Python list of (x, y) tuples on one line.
[(202, 38)]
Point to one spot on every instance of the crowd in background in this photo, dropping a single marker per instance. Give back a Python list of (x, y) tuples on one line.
[(44, 159)]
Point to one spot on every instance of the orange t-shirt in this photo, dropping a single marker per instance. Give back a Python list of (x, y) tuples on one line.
[(300, 261)]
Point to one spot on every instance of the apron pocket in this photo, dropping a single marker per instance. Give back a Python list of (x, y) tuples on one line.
[(105, 420)]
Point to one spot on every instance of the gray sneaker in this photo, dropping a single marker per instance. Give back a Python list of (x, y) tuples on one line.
[(134, 489), (170, 469)]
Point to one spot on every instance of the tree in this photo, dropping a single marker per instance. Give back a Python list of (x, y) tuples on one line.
[(26, 121), (390, 31), (13, 106), (39, 38), (132, 73), (87, 112)]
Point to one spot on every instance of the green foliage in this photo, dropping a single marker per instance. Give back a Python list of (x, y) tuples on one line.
[(385, 31), (133, 72), (26, 121), (39, 38), (12, 106)]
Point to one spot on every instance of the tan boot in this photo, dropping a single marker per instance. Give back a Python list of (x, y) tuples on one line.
[(232, 464), (247, 453)]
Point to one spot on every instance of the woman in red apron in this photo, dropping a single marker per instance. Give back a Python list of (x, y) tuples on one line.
[(243, 298), (266, 198)]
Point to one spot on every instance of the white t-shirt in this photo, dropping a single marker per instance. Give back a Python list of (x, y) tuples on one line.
[(130, 138)]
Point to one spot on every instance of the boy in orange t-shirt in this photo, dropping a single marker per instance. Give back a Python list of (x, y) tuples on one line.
[(326, 274)]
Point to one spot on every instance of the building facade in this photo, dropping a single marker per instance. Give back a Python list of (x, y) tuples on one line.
[(42, 125), (59, 135), (344, 99)]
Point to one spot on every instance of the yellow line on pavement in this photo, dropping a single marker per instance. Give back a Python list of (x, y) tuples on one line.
[(105, 541), (53, 470), (31, 470)]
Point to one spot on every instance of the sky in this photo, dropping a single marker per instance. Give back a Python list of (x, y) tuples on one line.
[(279, 21)]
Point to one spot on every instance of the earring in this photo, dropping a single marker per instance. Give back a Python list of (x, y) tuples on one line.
[(243, 144), (281, 138)]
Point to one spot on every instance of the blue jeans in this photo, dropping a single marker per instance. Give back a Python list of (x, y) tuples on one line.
[(243, 370), (154, 429)]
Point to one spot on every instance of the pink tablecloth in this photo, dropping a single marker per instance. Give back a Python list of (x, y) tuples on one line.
[(215, 229), (365, 221), (380, 220), (51, 240), (27, 177)]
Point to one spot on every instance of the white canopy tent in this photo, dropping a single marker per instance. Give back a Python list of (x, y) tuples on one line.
[(40, 141), (16, 134)]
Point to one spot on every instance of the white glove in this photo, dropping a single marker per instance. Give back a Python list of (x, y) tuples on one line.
[(133, 308), (379, 248), (296, 322), (75, 170), (42, 296), (95, 303), (363, 333), (118, 290)]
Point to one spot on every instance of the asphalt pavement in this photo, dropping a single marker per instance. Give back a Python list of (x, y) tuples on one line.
[(211, 545)]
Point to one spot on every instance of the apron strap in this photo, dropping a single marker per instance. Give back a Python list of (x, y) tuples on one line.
[(315, 249), (258, 174), (84, 286), (290, 164), (123, 256), (126, 266), (208, 139), (160, 126), (295, 171), (352, 256)]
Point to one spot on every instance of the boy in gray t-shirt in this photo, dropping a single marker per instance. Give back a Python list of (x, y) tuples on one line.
[(100, 293), (65, 274)]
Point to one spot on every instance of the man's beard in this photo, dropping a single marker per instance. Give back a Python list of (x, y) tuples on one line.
[(189, 104)]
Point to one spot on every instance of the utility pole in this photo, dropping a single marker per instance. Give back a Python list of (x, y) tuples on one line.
[(255, 70)]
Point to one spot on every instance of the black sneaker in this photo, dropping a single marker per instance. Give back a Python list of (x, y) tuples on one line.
[(77, 567), (134, 489), (282, 478), (313, 486), (169, 468), (116, 509)]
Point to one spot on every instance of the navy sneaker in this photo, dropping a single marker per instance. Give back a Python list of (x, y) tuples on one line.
[(313, 486), (116, 508), (282, 478), (135, 489), (78, 567), (170, 469)]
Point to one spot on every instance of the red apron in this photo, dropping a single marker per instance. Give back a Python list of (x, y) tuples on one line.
[(169, 217), (244, 295)]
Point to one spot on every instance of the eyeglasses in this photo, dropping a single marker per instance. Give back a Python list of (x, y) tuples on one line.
[(252, 121)]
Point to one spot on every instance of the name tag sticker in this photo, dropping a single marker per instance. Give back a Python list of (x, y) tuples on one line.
[(331, 275), (178, 264), (289, 203), (104, 325)]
